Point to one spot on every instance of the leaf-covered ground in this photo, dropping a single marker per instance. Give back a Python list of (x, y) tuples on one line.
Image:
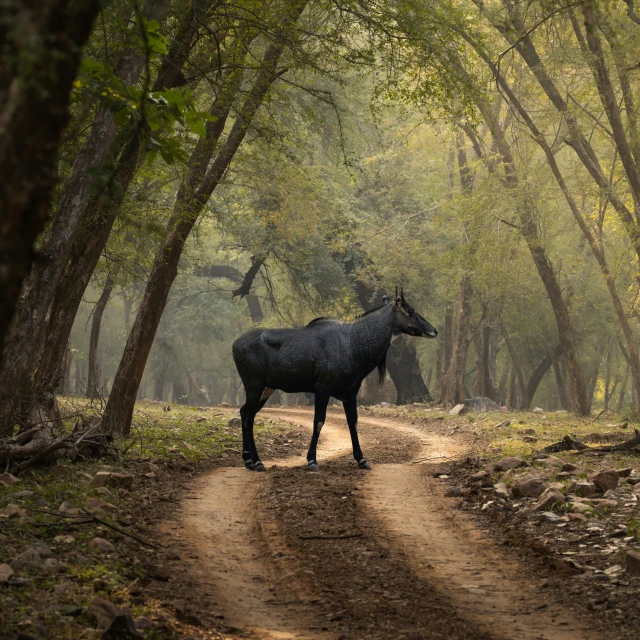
[(54, 512)]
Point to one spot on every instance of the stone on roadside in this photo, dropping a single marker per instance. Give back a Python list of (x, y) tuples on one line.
[(548, 461), (5, 572), (453, 492), (101, 545), (611, 495), (602, 506), (43, 550), (550, 498), (100, 584), (580, 517), (51, 565), (112, 620), (510, 462), (502, 490), (12, 510), (111, 479), (235, 423), (625, 473), (585, 489), (528, 487), (28, 559), (459, 410), (570, 468), (633, 561), (605, 480), (478, 476), (441, 470), (9, 479), (549, 516), (580, 507), (530, 439), (96, 504)]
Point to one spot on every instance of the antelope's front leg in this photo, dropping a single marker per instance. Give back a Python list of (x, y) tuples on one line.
[(351, 412), (319, 417)]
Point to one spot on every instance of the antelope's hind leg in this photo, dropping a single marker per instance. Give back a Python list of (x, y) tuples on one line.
[(255, 401), (319, 417), (351, 413)]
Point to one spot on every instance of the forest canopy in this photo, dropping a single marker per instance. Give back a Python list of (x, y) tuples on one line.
[(182, 171)]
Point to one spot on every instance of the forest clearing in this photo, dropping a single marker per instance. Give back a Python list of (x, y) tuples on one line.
[(319, 319)]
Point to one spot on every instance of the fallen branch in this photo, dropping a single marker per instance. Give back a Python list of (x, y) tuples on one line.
[(344, 536), (598, 416), (632, 445), (566, 444), (119, 530)]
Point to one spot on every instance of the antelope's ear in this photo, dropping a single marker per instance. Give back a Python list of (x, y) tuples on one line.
[(397, 303)]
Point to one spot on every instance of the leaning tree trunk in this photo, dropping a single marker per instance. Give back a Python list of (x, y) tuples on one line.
[(193, 195), (24, 342), (529, 230), (92, 237), (41, 46), (453, 391), (93, 380)]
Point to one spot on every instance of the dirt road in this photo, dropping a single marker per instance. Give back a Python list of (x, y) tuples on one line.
[(347, 554)]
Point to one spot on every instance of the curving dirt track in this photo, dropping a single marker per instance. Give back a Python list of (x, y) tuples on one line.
[(345, 554)]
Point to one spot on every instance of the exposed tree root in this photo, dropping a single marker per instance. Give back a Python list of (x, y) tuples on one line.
[(571, 444)]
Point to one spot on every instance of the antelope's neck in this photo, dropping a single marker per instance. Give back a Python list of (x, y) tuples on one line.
[(371, 337)]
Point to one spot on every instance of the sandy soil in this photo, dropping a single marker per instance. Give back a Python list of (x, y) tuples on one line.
[(344, 553)]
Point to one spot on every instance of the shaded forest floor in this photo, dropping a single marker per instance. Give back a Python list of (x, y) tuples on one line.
[(124, 542)]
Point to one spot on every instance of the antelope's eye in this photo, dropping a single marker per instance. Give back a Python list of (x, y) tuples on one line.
[(411, 312)]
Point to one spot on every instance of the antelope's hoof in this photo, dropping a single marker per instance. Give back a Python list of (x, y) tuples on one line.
[(312, 465), (363, 464), (249, 465), (259, 466)]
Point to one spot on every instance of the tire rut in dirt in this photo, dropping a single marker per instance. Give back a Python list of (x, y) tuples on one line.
[(364, 586)]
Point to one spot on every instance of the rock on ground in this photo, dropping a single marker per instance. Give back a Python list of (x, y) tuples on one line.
[(510, 462), (101, 544), (529, 487), (550, 498)]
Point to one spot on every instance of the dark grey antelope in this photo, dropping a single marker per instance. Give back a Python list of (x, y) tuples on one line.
[(328, 358)]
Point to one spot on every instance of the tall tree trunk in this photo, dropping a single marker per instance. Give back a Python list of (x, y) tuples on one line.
[(158, 385), (512, 388), (529, 230), (92, 237), (607, 377), (539, 373), (595, 244), (41, 46), (623, 389), (453, 385), (93, 381), (24, 344), (562, 392), (191, 199), (404, 368), (488, 358), (477, 348)]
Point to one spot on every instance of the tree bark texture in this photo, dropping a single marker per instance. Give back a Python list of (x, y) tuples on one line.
[(24, 342), (453, 391), (191, 199), (94, 233), (33, 114), (529, 230), (93, 381)]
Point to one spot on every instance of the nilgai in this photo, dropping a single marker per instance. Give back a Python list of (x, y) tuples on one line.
[(328, 358)]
